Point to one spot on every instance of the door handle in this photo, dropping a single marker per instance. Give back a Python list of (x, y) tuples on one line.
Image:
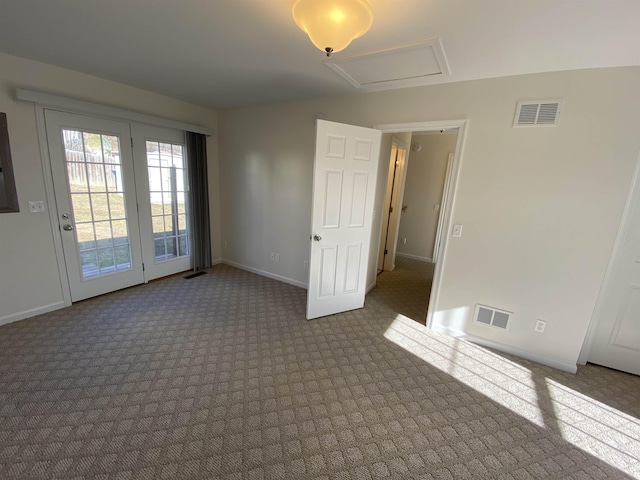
[(317, 237), (67, 227)]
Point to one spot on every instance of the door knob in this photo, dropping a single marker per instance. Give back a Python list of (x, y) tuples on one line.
[(317, 237), (67, 227)]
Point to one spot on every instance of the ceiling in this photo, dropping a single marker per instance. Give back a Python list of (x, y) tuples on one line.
[(228, 53)]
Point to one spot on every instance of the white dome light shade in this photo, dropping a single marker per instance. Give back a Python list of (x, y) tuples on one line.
[(333, 24)]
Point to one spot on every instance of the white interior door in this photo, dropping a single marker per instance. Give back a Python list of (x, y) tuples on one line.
[(162, 186), (93, 177), (443, 203), (616, 340), (344, 180)]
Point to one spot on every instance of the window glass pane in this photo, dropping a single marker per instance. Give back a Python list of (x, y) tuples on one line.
[(89, 264), (103, 234), (119, 231), (81, 207), (77, 175), (85, 235), (123, 257), (100, 206), (111, 149), (167, 186), (114, 178), (106, 262), (116, 205), (92, 147), (167, 203), (96, 175), (172, 249), (158, 225), (159, 248)]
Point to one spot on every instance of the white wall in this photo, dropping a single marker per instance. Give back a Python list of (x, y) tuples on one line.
[(423, 189), (540, 206), (29, 279)]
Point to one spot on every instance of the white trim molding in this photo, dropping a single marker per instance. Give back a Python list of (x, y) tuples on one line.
[(264, 273), (565, 367), (413, 257), (80, 106), (31, 313)]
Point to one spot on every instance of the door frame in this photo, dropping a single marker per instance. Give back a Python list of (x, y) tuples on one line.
[(632, 197), (396, 202), (435, 256), (427, 126), (42, 101)]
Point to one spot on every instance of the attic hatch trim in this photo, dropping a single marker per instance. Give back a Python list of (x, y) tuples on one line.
[(538, 113), (433, 47)]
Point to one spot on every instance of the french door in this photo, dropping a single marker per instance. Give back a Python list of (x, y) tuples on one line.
[(123, 218)]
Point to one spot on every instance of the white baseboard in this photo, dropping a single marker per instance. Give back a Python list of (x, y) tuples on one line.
[(565, 367), (414, 257), (31, 313), (215, 262), (370, 287), (263, 273)]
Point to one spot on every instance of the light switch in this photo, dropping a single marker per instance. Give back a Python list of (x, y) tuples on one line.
[(36, 207), (457, 230)]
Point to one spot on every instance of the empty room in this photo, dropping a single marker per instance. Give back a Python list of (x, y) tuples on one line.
[(337, 239)]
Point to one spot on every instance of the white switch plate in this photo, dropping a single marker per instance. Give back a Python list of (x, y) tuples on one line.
[(36, 207), (457, 230), (277, 257)]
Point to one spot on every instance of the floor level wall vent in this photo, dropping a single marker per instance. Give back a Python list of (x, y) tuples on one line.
[(492, 317)]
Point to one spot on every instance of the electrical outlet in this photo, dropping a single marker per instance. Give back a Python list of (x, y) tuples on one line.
[(273, 256), (404, 241), (224, 244), (540, 326), (36, 207), (306, 264), (277, 257)]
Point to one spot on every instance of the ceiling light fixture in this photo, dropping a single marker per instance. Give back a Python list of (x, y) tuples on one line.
[(333, 24)]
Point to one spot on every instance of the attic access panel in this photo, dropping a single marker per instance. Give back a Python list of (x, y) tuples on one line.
[(408, 66)]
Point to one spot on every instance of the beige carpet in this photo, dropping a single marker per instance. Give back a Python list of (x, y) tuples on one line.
[(221, 376)]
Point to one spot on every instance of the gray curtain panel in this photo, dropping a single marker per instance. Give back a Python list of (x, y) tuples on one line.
[(199, 200)]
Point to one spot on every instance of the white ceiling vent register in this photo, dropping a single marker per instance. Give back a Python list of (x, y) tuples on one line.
[(539, 113), (408, 66), (492, 317)]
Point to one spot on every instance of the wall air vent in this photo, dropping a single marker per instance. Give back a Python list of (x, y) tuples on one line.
[(492, 317), (537, 113)]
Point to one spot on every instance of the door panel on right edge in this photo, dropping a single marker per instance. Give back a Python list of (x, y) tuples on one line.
[(616, 342), (346, 165)]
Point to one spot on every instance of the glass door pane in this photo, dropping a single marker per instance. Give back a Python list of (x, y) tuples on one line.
[(163, 199), (94, 174), (166, 168)]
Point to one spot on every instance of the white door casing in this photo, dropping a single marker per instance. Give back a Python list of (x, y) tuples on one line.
[(445, 194), (87, 216), (344, 181), (616, 335)]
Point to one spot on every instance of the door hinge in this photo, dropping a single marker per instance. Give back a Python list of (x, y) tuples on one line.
[(390, 209), (131, 142), (143, 267), (386, 251)]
